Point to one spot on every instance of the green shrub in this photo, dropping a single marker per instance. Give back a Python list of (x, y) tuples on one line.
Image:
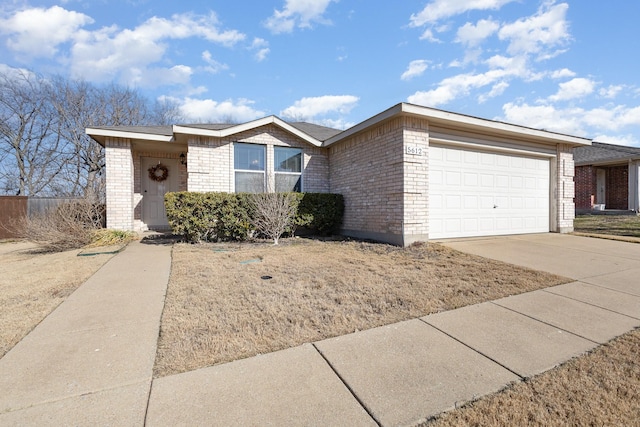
[(320, 212), (208, 216), (228, 216)]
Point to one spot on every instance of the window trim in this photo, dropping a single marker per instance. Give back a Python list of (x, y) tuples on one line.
[(300, 174), (238, 144)]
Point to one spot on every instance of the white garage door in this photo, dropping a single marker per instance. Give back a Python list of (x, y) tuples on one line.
[(475, 193)]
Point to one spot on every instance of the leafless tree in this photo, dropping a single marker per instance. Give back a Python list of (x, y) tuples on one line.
[(43, 146), (32, 151), (274, 213)]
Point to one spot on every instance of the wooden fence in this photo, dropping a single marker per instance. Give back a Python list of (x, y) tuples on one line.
[(14, 208)]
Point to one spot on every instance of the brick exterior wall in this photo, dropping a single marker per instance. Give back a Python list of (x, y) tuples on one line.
[(385, 189), (382, 172), (566, 210), (585, 181), (212, 166), (617, 187), (120, 181)]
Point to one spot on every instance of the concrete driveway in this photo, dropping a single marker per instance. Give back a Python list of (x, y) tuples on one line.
[(606, 263)]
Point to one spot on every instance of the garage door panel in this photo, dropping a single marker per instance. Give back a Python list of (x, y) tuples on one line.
[(486, 193)]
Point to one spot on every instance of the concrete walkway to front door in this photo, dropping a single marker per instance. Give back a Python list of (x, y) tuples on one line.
[(90, 361)]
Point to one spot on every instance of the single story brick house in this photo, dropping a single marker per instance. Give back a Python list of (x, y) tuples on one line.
[(607, 177), (408, 174)]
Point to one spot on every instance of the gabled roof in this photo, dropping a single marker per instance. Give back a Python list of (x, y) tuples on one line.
[(221, 132), (322, 136), (464, 122), (312, 133), (600, 153)]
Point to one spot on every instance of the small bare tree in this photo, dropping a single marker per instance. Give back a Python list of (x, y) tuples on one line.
[(69, 225), (274, 213)]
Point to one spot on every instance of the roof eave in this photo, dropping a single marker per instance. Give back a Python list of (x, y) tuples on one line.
[(607, 162), (105, 133), (232, 130), (462, 121)]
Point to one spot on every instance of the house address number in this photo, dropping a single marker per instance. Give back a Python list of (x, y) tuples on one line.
[(413, 151)]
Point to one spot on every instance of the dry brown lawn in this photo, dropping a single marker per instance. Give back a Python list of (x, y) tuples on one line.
[(600, 389), (616, 225), (33, 284), (219, 308)]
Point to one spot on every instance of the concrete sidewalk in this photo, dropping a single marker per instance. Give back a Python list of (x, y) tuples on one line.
[(407, 372), (90, 361)]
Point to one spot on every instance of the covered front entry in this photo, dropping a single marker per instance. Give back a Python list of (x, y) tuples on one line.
[(154, 189), (482, 193)]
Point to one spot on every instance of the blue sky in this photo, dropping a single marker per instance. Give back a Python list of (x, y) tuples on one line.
[(569, 66)]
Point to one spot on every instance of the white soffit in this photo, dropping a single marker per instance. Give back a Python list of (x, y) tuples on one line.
[(128, 135)]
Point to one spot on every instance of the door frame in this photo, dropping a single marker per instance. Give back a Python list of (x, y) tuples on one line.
[(173, 183)]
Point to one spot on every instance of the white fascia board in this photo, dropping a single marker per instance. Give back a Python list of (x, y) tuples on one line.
[(456, 120), (492, 125), (128, 135), (232, 130)]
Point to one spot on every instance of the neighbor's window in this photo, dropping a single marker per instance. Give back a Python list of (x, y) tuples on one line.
[(249, 167), (287, 167)]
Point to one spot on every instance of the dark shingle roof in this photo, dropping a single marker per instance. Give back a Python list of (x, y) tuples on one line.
[(599, 152), (321, 133)]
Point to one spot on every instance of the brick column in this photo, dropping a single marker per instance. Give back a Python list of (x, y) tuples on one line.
[(565, 190), (120, 180), (416, 181)]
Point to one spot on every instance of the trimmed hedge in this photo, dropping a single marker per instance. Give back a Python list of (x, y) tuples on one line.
[(227, 216)]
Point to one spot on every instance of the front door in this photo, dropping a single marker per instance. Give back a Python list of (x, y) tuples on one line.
[(154, 189)]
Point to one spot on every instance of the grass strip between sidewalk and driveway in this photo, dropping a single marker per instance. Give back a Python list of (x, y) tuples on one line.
[(226, 302)]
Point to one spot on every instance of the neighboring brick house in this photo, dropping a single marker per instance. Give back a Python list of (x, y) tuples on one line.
[(407, 174), (607, 176)]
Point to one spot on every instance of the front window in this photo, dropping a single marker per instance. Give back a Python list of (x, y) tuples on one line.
[(249, 164), (287, 167)]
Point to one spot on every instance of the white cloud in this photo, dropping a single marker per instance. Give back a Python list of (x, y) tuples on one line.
[(611, 92), (300, 13), (560, 74), (576, 88), (497, 90), (572, 120), (628, 140), (428, 36), (546, 117), (213, 66), (261, 46), (308, 108), (442, 9), (107, 53), (451, 88), (211, 111), (37, 32), (472, 35), (536, 34), (335, 123), (415, 69), (152, 77)]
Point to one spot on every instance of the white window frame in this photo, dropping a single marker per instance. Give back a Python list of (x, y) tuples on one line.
[(299, 174), (254, 171)]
